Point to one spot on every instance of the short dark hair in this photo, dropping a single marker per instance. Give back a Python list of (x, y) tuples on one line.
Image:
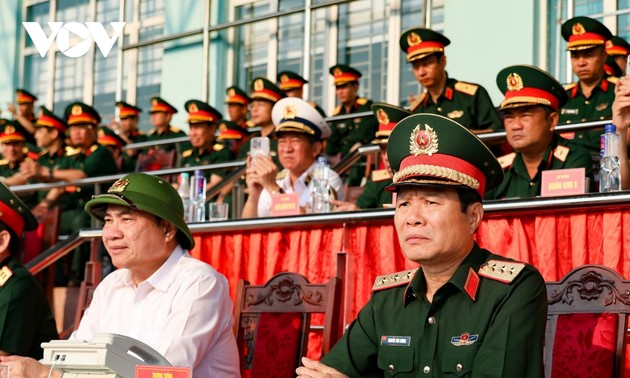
[(14, 241), (467, 196)]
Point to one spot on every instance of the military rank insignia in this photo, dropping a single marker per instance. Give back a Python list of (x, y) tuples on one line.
[(423, 141), (464, 339)]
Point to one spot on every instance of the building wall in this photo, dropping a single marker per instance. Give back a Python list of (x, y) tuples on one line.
[(10, 26)]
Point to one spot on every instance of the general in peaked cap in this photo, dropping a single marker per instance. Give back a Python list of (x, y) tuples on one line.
[(288, 80), (617, 46), (79, 113), (419, 43), (387, 116), (147, 193), (343, 74), (158, 104), (431, 150), (583, 33), (525, 85), (12, 131), (126, 110), (48, 119), (199, 112), (612, 68), (229, 130), (236, 95), (107, 137), (263, 89), (25, 97), (293, 114)]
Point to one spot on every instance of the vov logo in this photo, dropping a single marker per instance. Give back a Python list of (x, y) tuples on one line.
[(61, 31)]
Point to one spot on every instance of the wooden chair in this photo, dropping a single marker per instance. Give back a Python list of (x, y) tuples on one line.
[(272, 322), (586, 323)]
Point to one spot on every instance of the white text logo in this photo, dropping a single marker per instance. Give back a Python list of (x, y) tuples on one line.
[(61, 31)]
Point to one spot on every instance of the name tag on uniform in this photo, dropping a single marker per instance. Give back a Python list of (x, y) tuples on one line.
[(395, 340), (569, 111)]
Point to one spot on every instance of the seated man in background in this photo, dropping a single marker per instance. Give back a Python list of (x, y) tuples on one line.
[(237, 102), (161, 115), (160, 295), (25, 317), (14, 154), (114, 143), (374, 195), (24, 113), (530, 112), (618, 49), (127, 128), (465, 312), (300, 130)]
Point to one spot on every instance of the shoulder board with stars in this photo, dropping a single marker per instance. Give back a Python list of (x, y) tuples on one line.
[(337, 110), (561, 152), (502, 271), (187, 153), (468, 88), (70, 151), (5, 274), (362, 101), (218, 147), (393, 280), (568, 87), (174, 129), (507, 160), (417, 102), (280, 175), (613, 79)]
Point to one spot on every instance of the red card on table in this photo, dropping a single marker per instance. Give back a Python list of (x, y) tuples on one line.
[(283, 205), (145, 371), (563, 182)]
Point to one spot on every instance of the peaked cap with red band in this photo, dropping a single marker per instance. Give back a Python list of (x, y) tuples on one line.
[(158, 104), (236, 95), (418, 43), (229, 130), (48, 119), (583, 33), (12, 131), (525, 85), (108, 137), (81, 113), (24, 96), (14, 213), (126, 110), (288, 80), (263, 89), (432, 150), (617, 46), (199, 112), (343, 74), (387, 116)]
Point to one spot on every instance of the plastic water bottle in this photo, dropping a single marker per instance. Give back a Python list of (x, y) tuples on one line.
[(184, 192), (321, 194), (610, 176), (197, 197)]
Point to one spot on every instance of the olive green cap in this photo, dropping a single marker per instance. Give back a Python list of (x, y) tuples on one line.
[(14, 213), (583, 33), (432, 150), (525, 85), (150, 194), (419, 43)]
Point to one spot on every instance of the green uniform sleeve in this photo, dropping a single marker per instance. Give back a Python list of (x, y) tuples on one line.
[(333, 142), (18, 316), (100, 163)]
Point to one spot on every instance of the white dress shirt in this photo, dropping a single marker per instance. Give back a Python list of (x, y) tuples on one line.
[(300, 186), (183, 310)]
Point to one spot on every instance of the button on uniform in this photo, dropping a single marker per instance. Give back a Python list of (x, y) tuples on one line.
[(426, 369), (391, 368), (432, 320), (459, 367)]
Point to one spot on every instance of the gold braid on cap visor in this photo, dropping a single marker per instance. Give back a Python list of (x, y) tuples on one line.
[(523, 101), (436, 171)]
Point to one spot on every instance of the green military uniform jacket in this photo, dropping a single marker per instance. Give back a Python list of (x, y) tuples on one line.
[(374, 195), (346, 133), (25, 317), (475, 326), (138, 136), (595, 108), (466, 103), (51, 161), (561, 154), (217, 154), (95, 161), (8, 169), (171, 132)]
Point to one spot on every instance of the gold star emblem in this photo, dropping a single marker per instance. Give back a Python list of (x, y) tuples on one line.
[(337, 72), (609, 44), (284, 78), (290, 112), (77, 110), (423, 141), (118, 186), (514, 82), (193, 108), (259, 85), (231, 92), (101, 133), (382, 117), (578, 29), (154, 102), (9, 129), (413, 39), (223, 128)]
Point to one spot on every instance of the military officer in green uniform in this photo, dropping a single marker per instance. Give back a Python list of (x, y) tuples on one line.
[(15, 153), (232, 136), (161, 114), (467, 103), (127, 128), (530, 115), (237, 102), (25, 317), (292, 85), (374, 195), (465, 312), (115, 143), (24, 113), (618, 49), (591, 97)]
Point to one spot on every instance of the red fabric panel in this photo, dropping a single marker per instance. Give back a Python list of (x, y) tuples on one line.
[(584, 346), (276, 348)]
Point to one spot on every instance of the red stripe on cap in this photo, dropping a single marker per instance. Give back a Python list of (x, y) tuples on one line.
[(45, 120), (446, 161), (12, 218), (386, 126), (291, 84), (425, 45), (267, 94), (128, 112), (24, 99), (231, 134), (108, 140), (586, 39), (237, 99), (534, 92), (83, 118), (200, 115), (345, 78), (161, 108)]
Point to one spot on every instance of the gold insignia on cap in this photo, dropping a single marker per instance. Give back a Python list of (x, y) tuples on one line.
[(223, 128), (120, 106), (154, 102), (20, 93), (77, 110), (9, 129), (382, 117), (101, 132), (284, 78), (118, 186), (231, 92), (514, 82), (578, 29), (609, 44), (259, 85), (193, 108), (413, 39), (337, 72), (290, 112), (423, 142)]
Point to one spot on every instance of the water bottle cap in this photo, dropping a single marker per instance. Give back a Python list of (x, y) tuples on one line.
[(610, 128), (198, 172), (185, 174), (321, 159)]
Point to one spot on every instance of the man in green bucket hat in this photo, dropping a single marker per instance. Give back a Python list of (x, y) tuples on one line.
[(160, 295)]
